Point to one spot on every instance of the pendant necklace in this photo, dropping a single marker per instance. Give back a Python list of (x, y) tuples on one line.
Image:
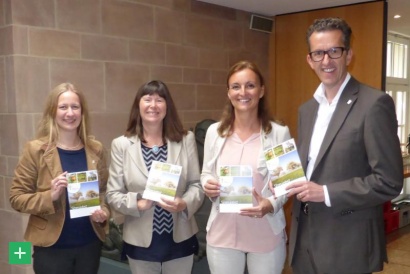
[(155, 149), (156, 146)]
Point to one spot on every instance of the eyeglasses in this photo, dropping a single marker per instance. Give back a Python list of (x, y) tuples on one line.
[(333, 53)]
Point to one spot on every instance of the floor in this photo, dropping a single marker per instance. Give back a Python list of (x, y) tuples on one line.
[(398, 250)]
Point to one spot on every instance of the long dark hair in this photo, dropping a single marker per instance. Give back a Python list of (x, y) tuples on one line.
[(172, 128)]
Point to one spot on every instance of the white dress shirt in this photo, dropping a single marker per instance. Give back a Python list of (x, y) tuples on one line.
[(323, 117)]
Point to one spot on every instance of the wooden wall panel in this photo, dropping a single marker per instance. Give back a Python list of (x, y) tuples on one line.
[(292, 81)]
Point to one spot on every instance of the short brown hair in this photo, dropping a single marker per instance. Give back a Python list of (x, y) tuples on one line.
[(328, 24)]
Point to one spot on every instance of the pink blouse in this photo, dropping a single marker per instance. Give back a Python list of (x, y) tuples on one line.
[(231, 230)]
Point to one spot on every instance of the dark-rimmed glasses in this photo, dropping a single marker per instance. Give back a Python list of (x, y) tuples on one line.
[(333, 53)]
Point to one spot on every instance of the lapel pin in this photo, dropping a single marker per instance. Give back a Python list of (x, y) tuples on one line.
[(349, 102)]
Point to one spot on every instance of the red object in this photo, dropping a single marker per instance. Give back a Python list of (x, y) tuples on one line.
[(391, 221), (387, 207)]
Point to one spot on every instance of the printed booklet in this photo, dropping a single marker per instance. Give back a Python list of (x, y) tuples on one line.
[(83, 193), (162, 181), (236, 188), (284, 166)]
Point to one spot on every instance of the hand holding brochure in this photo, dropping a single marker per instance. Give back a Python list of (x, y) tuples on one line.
[(163, 179), (83, 193), (284, 166), (236, 188)]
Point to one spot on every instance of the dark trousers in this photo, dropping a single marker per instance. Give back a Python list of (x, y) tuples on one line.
[(77, 260), (303, 262)]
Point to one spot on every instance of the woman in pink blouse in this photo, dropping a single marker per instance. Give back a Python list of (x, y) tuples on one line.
[(255, 236)]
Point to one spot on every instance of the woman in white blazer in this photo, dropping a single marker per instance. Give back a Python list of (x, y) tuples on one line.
[(254, 237), (159, 237)]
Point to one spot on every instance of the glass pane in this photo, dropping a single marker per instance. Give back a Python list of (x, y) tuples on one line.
[(405, 58), (396, 63), (399, 109), (389, 60)]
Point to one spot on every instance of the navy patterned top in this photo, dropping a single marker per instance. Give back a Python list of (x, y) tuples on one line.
[(162, 248)]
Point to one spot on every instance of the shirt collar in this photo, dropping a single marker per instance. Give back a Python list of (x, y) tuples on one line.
[(319, 94)]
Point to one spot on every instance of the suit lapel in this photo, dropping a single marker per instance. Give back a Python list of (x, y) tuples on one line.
[(344, 105), (309, 120), (135, 153), (174, 150), (92, 159), (52, 160)]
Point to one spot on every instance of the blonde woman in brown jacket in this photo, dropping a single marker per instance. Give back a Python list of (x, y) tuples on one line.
[(61, 244)]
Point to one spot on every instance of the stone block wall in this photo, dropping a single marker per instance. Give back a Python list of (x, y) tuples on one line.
[(108, 48)]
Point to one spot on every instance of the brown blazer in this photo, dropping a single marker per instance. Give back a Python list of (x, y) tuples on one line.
[(360, 163), (30, 191)]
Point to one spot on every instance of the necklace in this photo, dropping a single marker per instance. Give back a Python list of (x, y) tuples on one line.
[(155, 146), (69, 148), (155, 149)]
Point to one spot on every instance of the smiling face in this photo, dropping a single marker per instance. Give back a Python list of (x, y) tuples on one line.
[(332, 72), (153, 109), (245, 91), (68, 114)]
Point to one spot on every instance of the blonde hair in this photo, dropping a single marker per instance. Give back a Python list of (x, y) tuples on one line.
[(48, 126)]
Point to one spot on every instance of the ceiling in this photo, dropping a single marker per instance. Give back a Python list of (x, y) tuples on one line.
[(276, 7)]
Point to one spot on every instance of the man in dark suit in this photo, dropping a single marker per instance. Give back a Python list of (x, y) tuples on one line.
[(349, 148)]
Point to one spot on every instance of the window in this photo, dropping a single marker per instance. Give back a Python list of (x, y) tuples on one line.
[(397, 82), (396, 59)]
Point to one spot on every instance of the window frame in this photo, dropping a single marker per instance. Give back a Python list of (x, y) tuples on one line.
[(395, 85)]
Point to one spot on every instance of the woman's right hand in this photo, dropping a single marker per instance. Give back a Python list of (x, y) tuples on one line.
[(212, 188), (58, 186), (144, 204)]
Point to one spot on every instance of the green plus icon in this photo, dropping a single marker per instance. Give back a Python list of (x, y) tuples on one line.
[(19, 253)]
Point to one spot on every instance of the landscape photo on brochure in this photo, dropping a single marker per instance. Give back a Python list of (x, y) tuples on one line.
[(83, 193), (163, 179), (284, 166), (236, 188)]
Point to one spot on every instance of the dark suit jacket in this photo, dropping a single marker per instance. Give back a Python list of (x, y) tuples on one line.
[(360, 163)]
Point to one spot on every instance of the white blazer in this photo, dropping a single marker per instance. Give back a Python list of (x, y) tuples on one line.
[(127, 180), (212, 149)]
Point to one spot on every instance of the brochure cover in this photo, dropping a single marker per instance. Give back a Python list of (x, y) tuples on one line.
[(83, 193), (284, 166), (236, 188), (162, 181)]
